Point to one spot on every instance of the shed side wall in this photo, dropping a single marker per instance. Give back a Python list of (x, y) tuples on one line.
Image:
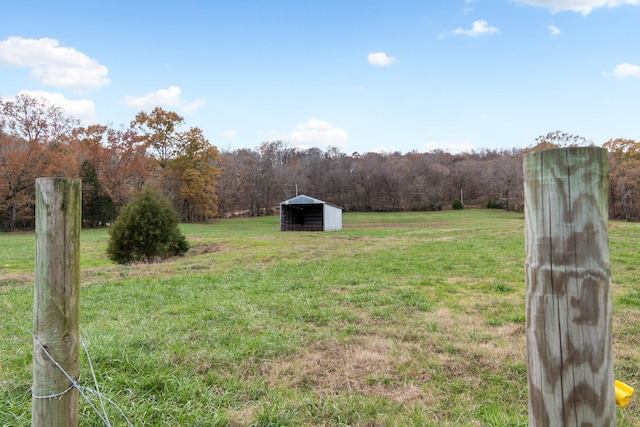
[(332, 218)]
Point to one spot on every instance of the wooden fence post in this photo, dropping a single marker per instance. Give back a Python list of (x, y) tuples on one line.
[(569, 355), (56, 302)]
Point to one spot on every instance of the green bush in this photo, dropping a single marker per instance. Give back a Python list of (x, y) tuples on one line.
[(146, 230), (435, 207), (457, 205), (495, 203)]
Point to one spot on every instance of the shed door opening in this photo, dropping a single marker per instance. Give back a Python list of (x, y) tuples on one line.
[(302, 218)]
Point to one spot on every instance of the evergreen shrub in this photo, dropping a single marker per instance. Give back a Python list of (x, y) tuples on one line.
[(146, 230), (495, 203)]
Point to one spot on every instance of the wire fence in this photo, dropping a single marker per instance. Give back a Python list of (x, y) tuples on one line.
[(84, 391)]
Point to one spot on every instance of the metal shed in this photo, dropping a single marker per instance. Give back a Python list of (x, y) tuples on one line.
[(304, 213)]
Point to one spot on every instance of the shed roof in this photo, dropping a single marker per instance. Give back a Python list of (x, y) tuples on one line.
[(302, 200), (306, 200)]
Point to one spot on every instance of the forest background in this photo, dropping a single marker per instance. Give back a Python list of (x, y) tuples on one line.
[(157, 150)]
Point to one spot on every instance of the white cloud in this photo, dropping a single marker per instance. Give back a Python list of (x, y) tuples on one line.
[(582, 6), (478, 28), (467, 10), (380, 58), (554, 30), (627, 70), (171, 98), (320, 133), (52, 64), (229, 133), (82, 109), (449, 146), (191, 107)]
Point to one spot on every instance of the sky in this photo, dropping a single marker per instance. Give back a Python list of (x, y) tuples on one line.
[(359, 75)]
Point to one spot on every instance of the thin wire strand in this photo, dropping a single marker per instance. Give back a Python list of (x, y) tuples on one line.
[(74, 384), (95, 381), (83, 390), (92, 391), (52, 396)]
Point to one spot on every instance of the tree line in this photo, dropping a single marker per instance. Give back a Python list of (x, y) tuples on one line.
[(38, 139), (202, 182)]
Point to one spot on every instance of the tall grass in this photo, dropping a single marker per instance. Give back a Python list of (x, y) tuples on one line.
[(398, 319)]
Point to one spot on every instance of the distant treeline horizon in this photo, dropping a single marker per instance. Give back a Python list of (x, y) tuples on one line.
[(202, 183)]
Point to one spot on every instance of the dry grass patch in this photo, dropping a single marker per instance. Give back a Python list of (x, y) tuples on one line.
[(11, 280), (472, 343), (369, 365), (154, 270), (241, 417), (383, 362), (626, 342), (205, 248)]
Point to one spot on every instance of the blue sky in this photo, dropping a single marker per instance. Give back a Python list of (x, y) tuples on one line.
[(360, 75)]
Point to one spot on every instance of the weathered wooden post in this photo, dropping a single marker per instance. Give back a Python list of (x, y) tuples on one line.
[(56, 302), (570, 370)]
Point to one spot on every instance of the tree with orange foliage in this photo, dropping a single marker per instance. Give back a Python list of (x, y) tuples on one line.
[(114, 163), (196, 171), (187, 164), (125, 167), (159, 130), (33, 142), (97, 206)]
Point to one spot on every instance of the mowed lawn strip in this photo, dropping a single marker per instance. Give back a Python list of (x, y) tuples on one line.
[(406, 318)]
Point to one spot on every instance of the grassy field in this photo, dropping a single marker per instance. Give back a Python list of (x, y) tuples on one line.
[(398, 319)]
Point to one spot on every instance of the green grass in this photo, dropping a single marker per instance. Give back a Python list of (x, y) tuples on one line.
[(398, 319)]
